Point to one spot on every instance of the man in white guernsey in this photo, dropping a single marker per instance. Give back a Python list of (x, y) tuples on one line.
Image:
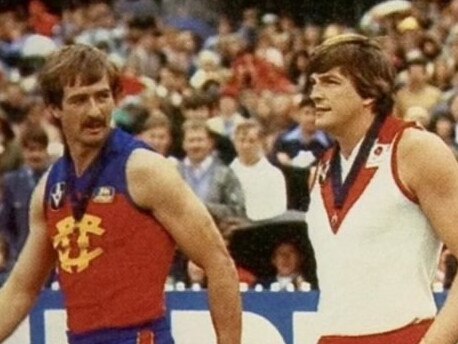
[(383, 199)]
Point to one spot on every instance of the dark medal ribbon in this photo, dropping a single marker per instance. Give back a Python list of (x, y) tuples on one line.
[(80, 200), (341, 190)]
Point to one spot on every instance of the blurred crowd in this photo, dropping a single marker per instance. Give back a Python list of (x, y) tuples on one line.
[(225, 100)]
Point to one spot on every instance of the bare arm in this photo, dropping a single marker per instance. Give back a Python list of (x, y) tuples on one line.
[(429, 169), (155, 184), (36, 261)]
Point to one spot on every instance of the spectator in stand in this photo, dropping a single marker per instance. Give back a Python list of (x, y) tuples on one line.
[(442, 74), (34, 50), (101, 30), (181, 50), (153, 127), (225, 27), (200, 106), (444, 126), (417, 91), (253, 72), (41, 19), (18, 186), (228, 115), (297, 68), (15, 103), (248, 102), (37, 116), (296, 151), (312, 35), (13, 28), (288, 262), (197, 106), (213, 182), (156, 132), (131, 117), (72, 23), (10, 152), (249, 26), (209, 71), (263, 184), (136, 8), (282, 111), (173, 85), (450, 107), (201, 11), (145, 57)]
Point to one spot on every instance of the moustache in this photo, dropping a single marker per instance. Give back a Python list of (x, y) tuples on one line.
[(94, 123)]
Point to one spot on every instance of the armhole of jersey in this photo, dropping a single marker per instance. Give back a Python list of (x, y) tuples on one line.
[(394, 165), (47, 191)]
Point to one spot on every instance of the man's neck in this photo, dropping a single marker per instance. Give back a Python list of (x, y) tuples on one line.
[(353, 133), (199, 163), (250, 162), (416, 86), (307, 134), (83, 158), (228, 116)]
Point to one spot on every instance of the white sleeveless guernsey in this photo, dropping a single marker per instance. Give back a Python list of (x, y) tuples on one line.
[(378, 254)]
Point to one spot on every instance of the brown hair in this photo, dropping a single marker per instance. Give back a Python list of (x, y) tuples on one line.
[(75, 63), (363, 61), (195, 101), (249, 124), (157, 120), (34, 134), (196, 124)]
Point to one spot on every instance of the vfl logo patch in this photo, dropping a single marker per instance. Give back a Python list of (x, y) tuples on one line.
[(103, 194), (57, 195)]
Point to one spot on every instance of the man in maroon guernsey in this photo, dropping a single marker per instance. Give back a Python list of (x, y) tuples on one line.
[(108, 214)]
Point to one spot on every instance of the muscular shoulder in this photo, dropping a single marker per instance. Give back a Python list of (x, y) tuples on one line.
[(422, 157), (145, 166), (38, 197), (148, 173), (142, 158), (415, 143)]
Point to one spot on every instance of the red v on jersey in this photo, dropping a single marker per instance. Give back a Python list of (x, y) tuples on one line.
[(390, 129), (336, 215)]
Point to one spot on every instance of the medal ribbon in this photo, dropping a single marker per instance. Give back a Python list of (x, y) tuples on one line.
[(340, 190), (80, 200)]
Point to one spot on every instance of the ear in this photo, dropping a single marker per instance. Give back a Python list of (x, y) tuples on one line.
[(55, 112), (368, 102)]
